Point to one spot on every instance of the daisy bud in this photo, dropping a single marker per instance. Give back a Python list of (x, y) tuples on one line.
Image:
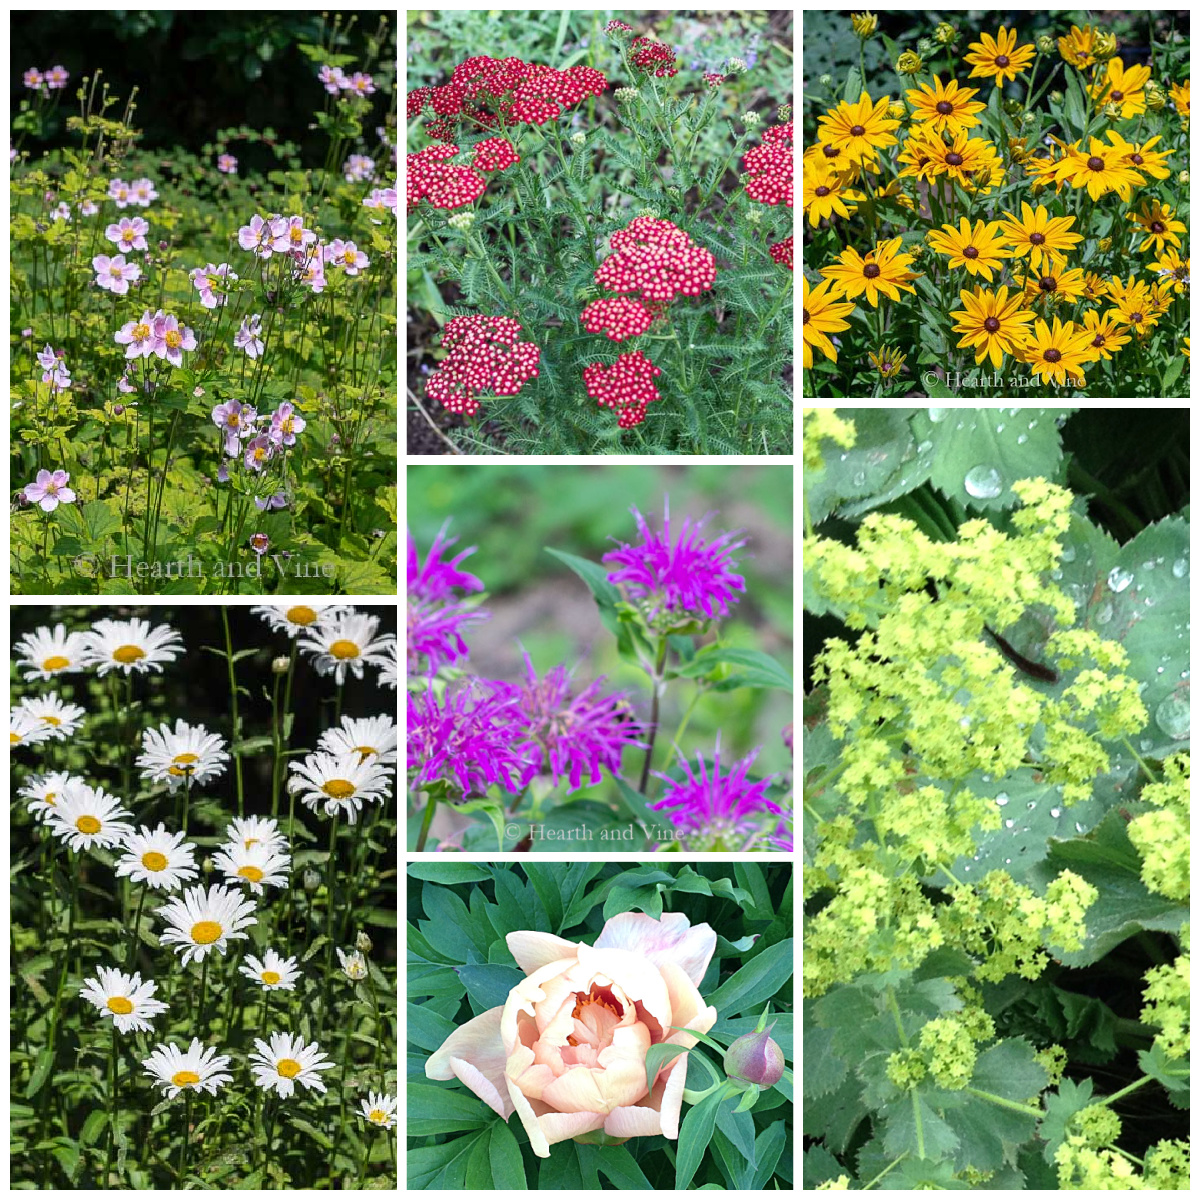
[(207, 866), (354, 966), (909, 64), (312, 881), (363, 943), (1045, 43), (279, 666), (944, 34), (755, 1058), (864, 24)]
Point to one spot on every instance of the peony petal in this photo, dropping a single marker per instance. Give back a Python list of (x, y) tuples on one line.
[(638, 978), (537, 1139), (533, 950), (686, 1005), (667, 1097), (671, 939), (559, 1127), (475, 1054)]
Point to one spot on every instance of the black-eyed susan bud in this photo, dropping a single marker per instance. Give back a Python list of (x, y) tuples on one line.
[(1184, 177), (755, 1058), (826, 81), (1104, 45), (896, 111), (909, 64), (312, 880), (926, 47), (1156, 100), (917, 251), (1013, 106), (1056, 97), (1045, 43), (944, 34), (1112, 111), (1029, 118), (864, 24), (1105, 245)]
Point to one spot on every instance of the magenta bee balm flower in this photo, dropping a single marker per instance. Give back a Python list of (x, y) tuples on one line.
[(680, 574), (436, 614)]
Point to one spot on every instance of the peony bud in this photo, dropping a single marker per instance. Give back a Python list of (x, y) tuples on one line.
[(755, 1058)]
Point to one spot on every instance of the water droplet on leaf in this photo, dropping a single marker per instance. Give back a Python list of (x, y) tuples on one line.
[(1119, 579), (984, 483), (1174, 717)]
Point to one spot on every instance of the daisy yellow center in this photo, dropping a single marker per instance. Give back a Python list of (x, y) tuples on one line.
[(52, 720), (49, 797), (128, 654), (301, 614), (174, 339), (344, 649), (250, 841), (86, 824), (153, 861), (181, 764), (55, 662), (271, 978), (141, 331), (289, 1068), (339, 789), (378, 1116), (251, 873), (13, 738), (120, 1006), (365, 752), (182, 1079), (204, 933)]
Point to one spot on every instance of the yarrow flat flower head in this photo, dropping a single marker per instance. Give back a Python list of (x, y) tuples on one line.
[(130, 646), (186, 754), (124, 999), (771, 165), (627, 385), (617, 318), (158, 858), (680, 574), (656, 260), (574, 734), (287, 1061), (436, 614), (486, 355), (196, 1067), (204, 920), (469, 738), (272, 972)]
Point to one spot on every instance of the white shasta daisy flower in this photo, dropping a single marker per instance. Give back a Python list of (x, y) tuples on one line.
[(205, 920), (287, 1061), (86, 816), (272, 971), (344, 641), (258, 865), (62, 718), (354, 966), (158, 858), (293, 619), (255, 831), (373, 739), (379, 1109), (389, 665), (44, 654), (196, 1067), (341, 783), (130, 646), (44, 792), (186, 752), (125, 998), (24, 729)]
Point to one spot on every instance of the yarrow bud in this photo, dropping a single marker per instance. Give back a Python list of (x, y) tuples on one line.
[(737, 65), (577, 139), (618, 27), (784, 112), (754, 215), (751, 119), (461, 221), (713, 79), (625, 95), (648, 212)]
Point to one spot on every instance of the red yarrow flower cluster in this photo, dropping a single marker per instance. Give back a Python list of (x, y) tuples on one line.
[(442, 184), (653, 57), (494, 154), (627, 385), (618, 26), (771, 165), (713, 79), (656, 260), (486, 355), (781, 252), (497, 92), (617, 318)]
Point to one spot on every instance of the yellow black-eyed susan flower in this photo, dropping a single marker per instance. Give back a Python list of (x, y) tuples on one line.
[(883, 269), (1107, 335), (1173, 271), (1045, 239), (998, 57), (1053, 283), (826, 193), (1123, 86), (1058, 352), (859, 128), (888, 360), (992, 323), (1158, 224), (980, 249), (1140, 156), (945, 109), (1078, 48), (1102, 169), (823, 313)]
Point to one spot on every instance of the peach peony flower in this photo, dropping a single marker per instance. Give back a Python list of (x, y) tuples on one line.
[(567, 1051)]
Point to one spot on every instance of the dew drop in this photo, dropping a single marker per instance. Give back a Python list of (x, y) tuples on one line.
[(1033, 423), (1022, 439), (1146, 743), (1000, 427), (925, 447), (1068, 554), (1032, 804), (1174, 717), (1009, 823), (1078, 827), (1056, 813), (1104, 614), (1119, 579), (1056, 574), (938, 414), (1150, 602), (859, 479), (1007, 862), (984, 483), (1002, 799), (1148, 566), (1179, 568)]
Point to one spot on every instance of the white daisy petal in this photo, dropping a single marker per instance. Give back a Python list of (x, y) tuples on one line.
[(294, 619), (130, 646), (159, 858), (341, 783), (87, 816), (373, 739), (202, 920), (44, 654), (271, 971), (196, 1067), (379, 1110), (125, 998), (344, 641), (186, 752), (286, 1061)]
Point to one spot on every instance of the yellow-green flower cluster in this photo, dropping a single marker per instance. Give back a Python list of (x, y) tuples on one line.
[(1168, 1005), (1097, 1125), (1163, 835), (820, 423), (1080, 1168), (1053, 1060), (906, 1068), (951, 1052)]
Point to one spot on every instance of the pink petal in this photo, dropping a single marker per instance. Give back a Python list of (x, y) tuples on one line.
[(534, 950), (671, 939), (475, 1054)]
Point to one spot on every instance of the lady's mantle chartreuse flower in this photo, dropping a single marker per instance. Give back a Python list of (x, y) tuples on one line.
[(567, 1051), (1163, 835), (678, 574)]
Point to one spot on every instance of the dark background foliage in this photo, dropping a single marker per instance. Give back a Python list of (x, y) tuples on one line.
[(196, 72)]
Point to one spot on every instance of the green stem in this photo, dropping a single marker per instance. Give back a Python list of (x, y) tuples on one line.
[(426, 821), (656, 683), (235, 739)]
